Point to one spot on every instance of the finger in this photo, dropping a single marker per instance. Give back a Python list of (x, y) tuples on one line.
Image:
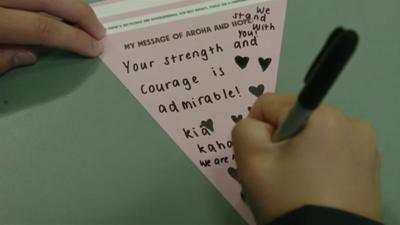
[(250, 138), (11, 57), (21, 27), (272, 108), (74, 11)]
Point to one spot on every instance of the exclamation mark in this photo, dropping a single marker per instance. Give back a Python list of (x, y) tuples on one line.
[(237, 90)]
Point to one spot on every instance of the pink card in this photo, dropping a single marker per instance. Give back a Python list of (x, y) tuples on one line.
[(197, 66)]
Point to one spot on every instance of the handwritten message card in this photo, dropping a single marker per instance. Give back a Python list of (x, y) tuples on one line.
[(197, 66)]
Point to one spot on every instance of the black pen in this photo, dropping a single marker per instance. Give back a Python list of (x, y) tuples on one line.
[(326, 68)]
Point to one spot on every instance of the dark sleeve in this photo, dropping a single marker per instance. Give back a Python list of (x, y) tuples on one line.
[(314, 215)]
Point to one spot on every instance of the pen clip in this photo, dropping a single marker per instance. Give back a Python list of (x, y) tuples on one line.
[(331, 41)]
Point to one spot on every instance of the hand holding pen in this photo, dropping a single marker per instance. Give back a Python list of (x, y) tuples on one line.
[(293, 152)]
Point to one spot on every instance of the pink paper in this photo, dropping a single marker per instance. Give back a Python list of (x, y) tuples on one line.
[(198, 99)]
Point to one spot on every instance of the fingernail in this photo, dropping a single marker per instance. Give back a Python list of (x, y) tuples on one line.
[(98, 47), (100, 31), (103, 31), (24, 58)]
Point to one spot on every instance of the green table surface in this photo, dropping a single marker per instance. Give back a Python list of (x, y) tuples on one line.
[(77, 148)]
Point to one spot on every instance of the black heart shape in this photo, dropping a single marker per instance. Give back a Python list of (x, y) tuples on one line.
[(236, 118), (264, 63), (209, 124), (242, 61), (233, 173), (243, 196), (257, 91)]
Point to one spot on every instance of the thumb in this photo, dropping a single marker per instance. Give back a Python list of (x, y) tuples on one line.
[(272, 108), (14, 56)]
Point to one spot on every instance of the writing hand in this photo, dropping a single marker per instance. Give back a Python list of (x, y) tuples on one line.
[(333, 162)]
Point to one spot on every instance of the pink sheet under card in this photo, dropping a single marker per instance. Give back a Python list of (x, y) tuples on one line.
[(197, 66)]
